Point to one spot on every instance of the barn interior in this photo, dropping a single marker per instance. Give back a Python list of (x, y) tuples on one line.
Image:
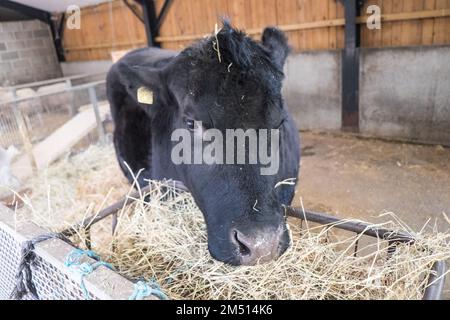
[(372, 102)]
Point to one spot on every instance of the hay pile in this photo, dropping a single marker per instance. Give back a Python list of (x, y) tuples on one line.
[(75, 187), (165, 240)]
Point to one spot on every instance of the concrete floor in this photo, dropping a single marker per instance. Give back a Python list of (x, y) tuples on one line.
[(362, 178)]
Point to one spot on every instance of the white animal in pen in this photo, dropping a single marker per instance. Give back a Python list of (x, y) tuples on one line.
[(8, 181)]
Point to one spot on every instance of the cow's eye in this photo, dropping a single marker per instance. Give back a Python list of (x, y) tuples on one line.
[(190, 124)]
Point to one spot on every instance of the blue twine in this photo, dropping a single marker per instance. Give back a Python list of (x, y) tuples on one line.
[(144, 289), (72, 261)]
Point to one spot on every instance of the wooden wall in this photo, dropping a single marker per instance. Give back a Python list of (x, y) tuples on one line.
[(310, 24)]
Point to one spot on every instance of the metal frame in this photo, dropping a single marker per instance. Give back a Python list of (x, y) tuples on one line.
[(24, 132), (350, 66), (31, 12), (435, 282), (152, 21), (133, 9), (103, 283)]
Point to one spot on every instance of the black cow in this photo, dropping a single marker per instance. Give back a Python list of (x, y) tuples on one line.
[(226, 81)]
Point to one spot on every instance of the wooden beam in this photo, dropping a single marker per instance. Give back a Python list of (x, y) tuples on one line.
[(26, 10), (105, 45), (392, 17), (428, 14)]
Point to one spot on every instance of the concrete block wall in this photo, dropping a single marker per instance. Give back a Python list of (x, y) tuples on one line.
[(312, 89), (27, 53), (73, 68), (404, 92)]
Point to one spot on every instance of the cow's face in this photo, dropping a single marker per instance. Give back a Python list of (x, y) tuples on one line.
[(243, 213)]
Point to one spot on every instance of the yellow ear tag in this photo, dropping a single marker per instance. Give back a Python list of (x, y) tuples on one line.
[(145, 95)]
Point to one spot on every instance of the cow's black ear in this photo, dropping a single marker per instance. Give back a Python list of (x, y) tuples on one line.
[(143, 84), (276, 42)]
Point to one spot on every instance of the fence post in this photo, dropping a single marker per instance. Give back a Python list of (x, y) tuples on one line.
[(25, 135), (72, 109), (14, 93), (94, 101)]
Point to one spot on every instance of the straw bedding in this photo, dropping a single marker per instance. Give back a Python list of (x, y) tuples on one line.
[(164, 240)]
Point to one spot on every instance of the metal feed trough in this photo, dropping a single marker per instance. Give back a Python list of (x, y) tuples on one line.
[(53, 280)]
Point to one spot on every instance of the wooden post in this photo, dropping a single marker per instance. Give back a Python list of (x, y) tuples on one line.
[(25, 135)]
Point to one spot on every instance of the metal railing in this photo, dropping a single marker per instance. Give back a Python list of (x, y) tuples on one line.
[(68, 81), (24, 121)]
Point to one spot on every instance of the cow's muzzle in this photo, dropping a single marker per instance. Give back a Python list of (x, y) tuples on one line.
[(259, 246)]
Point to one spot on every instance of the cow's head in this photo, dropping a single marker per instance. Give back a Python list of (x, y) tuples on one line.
[(227, 81)]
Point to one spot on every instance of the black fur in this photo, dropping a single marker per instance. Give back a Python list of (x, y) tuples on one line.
[(243, 90)]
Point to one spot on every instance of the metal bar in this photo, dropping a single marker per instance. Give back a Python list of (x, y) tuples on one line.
[(149, 10), (134, 11), (114, 208), (350, 67), (353, 226), (55, 80), (114, 223), (162, 15), (436, 282), (71, 89), (72, 107), (57, 27), (26, 10), (94, 101), (102, 214)]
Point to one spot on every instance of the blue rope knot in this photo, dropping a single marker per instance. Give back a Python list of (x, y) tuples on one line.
[(144, 289), (85, 269), (73, 262)]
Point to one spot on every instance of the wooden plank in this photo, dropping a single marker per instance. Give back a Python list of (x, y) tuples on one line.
[(397, 7), (442, 25), (428, 24), (287, 14), (60, 141), (109, 23), (340, 29), (370, 37), (386, 27), (239, 12), (326, 23), (309, 17), (321, 36), (332, 14), (412, 30), (310, 24)]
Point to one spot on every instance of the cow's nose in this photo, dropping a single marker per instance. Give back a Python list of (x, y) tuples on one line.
[(255, 248)]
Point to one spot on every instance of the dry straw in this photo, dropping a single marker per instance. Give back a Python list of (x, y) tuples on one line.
[(164, 239)]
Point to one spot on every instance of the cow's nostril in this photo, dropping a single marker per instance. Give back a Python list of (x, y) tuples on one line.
[(254, 247), (243, 249)]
